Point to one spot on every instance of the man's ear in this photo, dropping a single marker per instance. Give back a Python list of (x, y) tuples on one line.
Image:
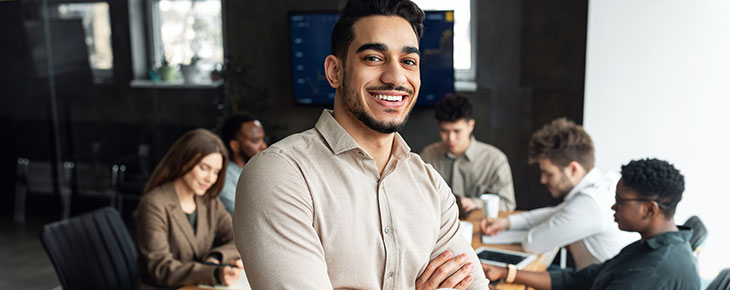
[(574, 168), (234, 145), (333, 71), (651, 208)]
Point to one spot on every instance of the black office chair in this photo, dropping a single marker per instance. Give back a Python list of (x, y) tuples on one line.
[(721, 282), (92, 251), (699, 233)]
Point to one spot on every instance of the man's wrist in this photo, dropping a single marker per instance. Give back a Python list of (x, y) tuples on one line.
[(511, 273), (506, 223)]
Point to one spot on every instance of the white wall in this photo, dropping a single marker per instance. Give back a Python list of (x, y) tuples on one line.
[(658, 85)]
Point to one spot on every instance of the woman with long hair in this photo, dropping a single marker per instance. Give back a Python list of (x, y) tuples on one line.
[(184, 232)]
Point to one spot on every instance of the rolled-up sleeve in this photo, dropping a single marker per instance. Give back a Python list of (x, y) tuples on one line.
[(578, 219)]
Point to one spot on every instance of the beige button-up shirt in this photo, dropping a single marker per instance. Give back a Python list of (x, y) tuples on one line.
[(481, 169), (312, 212)]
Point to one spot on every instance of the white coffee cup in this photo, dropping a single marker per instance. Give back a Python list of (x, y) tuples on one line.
[(491, 205)]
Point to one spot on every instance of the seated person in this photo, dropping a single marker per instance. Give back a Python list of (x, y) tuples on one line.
[(183, 230), (646, 197), (471, 168), (244, 137), (583, 221)]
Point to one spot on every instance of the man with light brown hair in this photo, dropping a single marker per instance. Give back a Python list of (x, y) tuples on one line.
[(583, 221)]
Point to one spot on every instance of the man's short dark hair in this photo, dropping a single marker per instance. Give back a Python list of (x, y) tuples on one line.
[(562, 142), (655, 179), (232, 127), (353, 10), (453, 107)]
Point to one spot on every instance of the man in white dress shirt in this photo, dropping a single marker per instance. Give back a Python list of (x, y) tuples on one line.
[(583, 221)]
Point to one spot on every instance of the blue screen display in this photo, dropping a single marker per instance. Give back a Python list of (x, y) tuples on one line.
[(309, 38)]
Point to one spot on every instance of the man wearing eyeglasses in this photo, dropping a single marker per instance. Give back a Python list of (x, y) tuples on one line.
[(583, 221), (645, 201)]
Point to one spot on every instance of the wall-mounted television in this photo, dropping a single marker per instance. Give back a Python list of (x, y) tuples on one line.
[(309, 42)]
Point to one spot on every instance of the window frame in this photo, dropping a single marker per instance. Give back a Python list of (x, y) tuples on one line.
[(100, 76), (154, 35), (465, 79)]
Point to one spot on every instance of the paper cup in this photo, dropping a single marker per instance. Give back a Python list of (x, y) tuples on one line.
[(491, 205)]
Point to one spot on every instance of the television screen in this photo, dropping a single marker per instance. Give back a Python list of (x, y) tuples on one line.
[(309, 38)]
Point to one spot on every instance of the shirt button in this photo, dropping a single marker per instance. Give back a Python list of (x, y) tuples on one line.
[(387, 230), (390, 275)]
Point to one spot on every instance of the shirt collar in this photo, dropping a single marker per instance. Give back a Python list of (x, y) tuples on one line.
[(590, 178), (469, 154), (669, 238), (340, 141)]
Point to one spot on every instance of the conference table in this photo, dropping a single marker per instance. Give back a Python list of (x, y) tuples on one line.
[(540, 264)]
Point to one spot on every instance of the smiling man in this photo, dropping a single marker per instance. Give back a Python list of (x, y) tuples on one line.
[(346, 204), (583, 221)]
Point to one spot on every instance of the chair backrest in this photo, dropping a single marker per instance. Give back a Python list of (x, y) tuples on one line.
[(95, 179), (699, 232), (721, 282), (36, 176), (92, 251)]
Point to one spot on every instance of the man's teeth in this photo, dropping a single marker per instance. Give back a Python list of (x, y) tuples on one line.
[(389, 98)]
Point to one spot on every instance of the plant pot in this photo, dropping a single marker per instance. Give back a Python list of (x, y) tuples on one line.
[(167, 73)]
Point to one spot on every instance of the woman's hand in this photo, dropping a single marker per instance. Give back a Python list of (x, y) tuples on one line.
[(230, 275)]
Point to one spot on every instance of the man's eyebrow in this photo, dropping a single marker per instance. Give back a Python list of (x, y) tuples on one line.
[(410, 49), (374, 46)]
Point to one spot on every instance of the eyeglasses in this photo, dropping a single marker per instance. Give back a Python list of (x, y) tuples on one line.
[(620, 200)]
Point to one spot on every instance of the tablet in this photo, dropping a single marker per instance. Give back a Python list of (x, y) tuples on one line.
[(499, 257)]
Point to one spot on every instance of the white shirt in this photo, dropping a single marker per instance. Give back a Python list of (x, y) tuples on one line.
[(584, 220)]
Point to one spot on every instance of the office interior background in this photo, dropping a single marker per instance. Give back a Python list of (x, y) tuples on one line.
[(78, 84)]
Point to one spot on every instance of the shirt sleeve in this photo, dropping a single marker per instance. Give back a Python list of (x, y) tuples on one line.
[(223, 242), (501, 184), (450, 239), (273, 221), (638, 279), (526, 220), (578, 219), (583, 279)]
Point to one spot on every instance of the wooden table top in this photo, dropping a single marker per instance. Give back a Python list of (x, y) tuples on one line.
[(539, 264)]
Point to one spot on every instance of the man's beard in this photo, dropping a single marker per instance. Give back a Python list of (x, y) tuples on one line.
[(563, 187), (351, 103), (243, 156)]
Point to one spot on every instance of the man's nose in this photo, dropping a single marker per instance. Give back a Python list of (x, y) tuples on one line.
[(393, 74), (452, 137)]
